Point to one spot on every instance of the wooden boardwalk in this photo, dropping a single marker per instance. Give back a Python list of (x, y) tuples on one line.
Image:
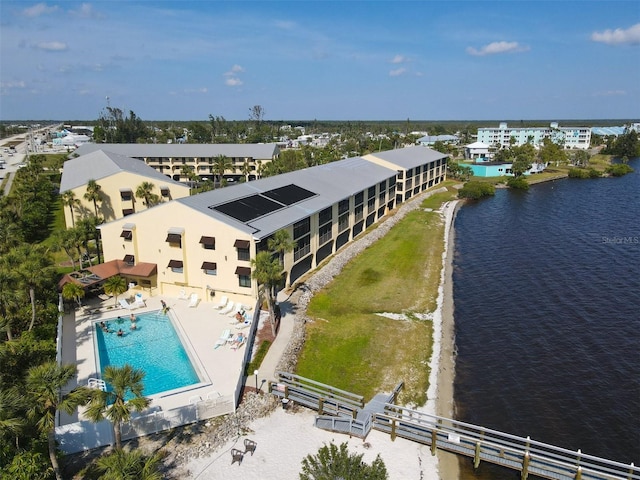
[(345, 412)]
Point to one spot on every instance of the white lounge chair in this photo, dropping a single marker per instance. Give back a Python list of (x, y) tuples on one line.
[(224, 338), (139, 303), (223, 302), (193, 302), (227, 309), (183, 295), (124, 304)]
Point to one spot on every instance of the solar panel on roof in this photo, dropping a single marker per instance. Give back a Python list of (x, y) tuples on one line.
[(255, 206), (289, 194), (248, 208)]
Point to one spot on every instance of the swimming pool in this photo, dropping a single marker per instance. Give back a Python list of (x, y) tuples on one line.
[(153, 347)]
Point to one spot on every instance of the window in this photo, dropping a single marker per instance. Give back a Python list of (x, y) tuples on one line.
[(174, 237), (210, 268), (302, 248), (343, 222), (325, 216), (243, 250), (174, 240), (176, 266), (165, 191), (127, 211), (371, 205), (244, 276), (358, 213), (371, 192), (301, 228), (325, 233), (126, 194), (127, 235), (129, 259), (343, 206), (359, 198), (208, 243), (382, 197)]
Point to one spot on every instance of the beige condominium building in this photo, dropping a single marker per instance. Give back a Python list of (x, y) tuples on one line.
[(118, 177), (204, 244), (245, 160)]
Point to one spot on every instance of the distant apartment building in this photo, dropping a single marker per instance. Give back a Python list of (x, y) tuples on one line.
[(118, 177), (174, 160), (568, 137)]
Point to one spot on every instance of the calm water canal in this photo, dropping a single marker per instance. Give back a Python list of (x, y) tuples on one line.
[(547, 316)]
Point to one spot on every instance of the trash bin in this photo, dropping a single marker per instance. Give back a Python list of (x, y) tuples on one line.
[(285, 403)]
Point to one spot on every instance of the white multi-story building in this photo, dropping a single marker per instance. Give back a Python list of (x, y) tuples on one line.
[(568, 137)]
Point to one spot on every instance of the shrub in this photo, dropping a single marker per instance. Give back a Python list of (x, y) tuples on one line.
[(619, 169), (584, 173), (476, 190), (333, 462), (518, 183)]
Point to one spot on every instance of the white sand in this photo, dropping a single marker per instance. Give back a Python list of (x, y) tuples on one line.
[(284, 438)]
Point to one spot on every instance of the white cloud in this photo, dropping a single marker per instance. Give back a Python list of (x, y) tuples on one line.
[(285, 25), (610, 93), (397, 72), (196, 90), (39, 9), (234, 71), (619, 36), (399, 59), (497, 47), (233, 82), (86, 11), (52, 46), (19, 84)]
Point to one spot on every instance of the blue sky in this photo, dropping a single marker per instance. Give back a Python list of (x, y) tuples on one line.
[(370, 60)]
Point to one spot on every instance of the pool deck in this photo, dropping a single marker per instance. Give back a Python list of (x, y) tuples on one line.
[(199, 326)]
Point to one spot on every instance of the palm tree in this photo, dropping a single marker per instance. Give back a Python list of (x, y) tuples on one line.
[(221, 164), (32, 267), (267, 271), (43, 386), (281, 243), (115, 286), (145, 192), (64, 240), (246, 170), (121, 465), (69, 199), (10, 302), (73, 291), (93, 194), (11, 422), (112, 404), (88, 230)]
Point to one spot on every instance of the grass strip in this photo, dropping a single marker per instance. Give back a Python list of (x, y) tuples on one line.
[(353, 348)]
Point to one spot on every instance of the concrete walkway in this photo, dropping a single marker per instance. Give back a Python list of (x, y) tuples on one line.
[(273, 356)]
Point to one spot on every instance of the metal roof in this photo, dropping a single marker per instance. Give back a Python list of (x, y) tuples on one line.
[(174, 150), (409, 157), (100, 164), (329, 183)]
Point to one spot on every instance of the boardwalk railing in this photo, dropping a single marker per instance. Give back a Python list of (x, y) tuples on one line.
[(479, 443), (483, 444), (315, 395)]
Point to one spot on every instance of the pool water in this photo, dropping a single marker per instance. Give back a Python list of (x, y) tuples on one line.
[(153, 347)]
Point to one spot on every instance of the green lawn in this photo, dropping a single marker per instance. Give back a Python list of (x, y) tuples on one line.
[(348, 345)]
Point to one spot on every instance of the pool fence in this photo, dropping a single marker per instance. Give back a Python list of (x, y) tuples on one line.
[(86, 435)]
